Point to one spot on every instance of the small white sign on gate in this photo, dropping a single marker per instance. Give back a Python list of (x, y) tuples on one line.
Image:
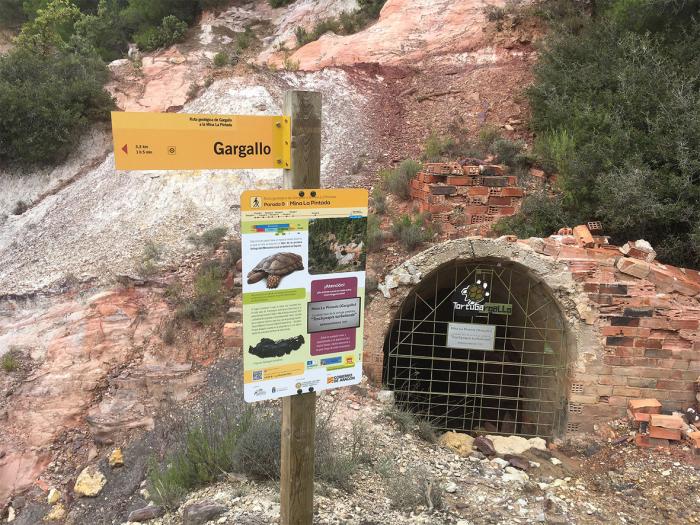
[(471, 336)]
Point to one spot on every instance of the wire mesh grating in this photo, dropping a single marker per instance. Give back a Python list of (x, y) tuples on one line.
[(517, 387)]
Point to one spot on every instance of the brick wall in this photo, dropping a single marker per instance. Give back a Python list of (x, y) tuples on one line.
[(466, 195)]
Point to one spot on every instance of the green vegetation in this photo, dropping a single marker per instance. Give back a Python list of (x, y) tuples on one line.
[(378, 201), (616, 106), (457, 145), (208, 298), (411, 488), (411, 232), (51, 81), (229, 437), (346, 24), (279, 3), (221, 59), (148, 263), (374, 233), (209, 239), (398, 181), (9, 362)]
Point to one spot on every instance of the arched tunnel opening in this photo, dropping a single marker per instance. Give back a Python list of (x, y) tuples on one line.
[(480, 346)]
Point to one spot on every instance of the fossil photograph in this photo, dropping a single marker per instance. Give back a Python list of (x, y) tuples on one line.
[(269, 348)]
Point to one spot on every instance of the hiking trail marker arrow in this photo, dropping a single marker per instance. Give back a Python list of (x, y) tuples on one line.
[(183, 141)]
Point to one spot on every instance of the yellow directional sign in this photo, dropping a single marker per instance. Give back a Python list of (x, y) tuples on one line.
[(181, 141)]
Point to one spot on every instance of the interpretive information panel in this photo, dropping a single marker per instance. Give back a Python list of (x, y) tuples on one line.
[(471, 336), (304, 256)]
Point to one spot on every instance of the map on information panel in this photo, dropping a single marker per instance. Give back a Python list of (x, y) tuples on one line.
[(304, 256)]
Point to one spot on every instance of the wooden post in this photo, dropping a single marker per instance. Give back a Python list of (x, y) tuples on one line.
[(299, 411)]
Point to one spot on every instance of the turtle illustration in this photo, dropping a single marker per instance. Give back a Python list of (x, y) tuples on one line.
[(274, 267)]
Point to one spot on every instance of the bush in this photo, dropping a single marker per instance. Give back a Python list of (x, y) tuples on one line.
[(245, 39), (406, 491), (210, 238), (347, 23), (507, 151), (404, 419), (221, 59), (426, 431), (206, 449), (606, 122), (280, 3), (259, 448), (151, 256), (208, 298), (540, 215), (172, 30), (378, 201), (374, 233), (47, 100), (398, 181), (10, 363), (411, 232)]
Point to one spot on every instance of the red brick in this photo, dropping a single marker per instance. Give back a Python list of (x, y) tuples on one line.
[(685, 324), (649, 442), (626, 391), (619, 341), (495, 200), (657, 353), (613, 380), (476, 210), (583, 235), (512, 192), (664, 433), (624, 321), (613, 289), (471, 170), (504, 211), (439, 208), (459, 181), (665, 384), (619, 401), (478, 191), (618, 361)]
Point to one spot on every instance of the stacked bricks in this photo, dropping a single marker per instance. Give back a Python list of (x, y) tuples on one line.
[(484, 193), (646, 317)]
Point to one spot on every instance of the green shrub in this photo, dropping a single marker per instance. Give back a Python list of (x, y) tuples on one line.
[(398, 181), (259, 448), (221, 59), (279, 3), (151, 256), (208, 299), (404, 419), (245, 39), (606, 121), (416, 486), (374, 233), (206, 449), (11, 13), (291, 65), (540, 215), (171, 30), (10, 363), (210, 238), (426, 431), (410, 232), (507, 151), (46, 101), (379, 201), (347, 23)]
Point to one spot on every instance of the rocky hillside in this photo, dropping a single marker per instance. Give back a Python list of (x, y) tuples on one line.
[(95, 365)]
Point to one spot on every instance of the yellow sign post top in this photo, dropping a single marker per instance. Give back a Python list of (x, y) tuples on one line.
[(182, 141)]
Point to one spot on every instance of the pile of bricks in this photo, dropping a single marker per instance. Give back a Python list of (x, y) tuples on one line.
[(466, 195), (659, 430)]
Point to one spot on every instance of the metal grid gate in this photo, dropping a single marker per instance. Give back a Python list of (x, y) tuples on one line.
[(516, 388)]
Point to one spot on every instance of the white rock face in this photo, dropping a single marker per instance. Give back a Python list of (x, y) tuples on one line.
[(98, 225)]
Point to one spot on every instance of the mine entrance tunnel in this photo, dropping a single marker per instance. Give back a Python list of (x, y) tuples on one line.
[(502, 366)]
